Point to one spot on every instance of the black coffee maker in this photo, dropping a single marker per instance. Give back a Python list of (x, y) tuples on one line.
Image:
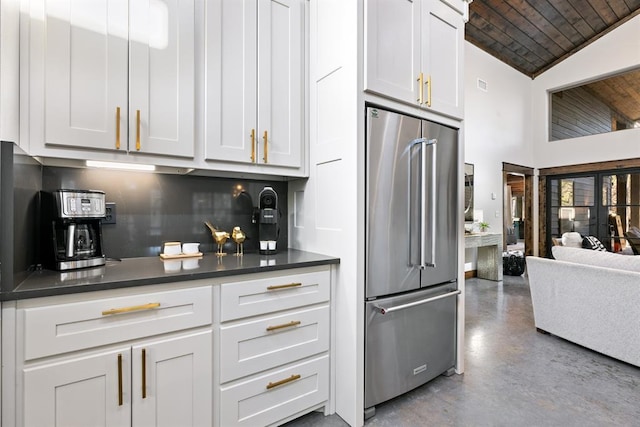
[(268, 220), (72, 228)]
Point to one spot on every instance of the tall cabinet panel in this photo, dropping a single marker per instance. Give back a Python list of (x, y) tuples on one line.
[(254, 77)]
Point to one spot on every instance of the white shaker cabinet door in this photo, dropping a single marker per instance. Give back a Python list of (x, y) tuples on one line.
[(444, 34), (90, 390), (392, 48), (172, 383), (231, 82), (255, 82), (84, 48), (162, 77), (280, 82)]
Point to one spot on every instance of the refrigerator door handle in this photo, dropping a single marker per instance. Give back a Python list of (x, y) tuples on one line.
[(428, 210), (383, 310)]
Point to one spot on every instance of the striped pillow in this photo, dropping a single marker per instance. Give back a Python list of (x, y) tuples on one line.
[(592, 242)]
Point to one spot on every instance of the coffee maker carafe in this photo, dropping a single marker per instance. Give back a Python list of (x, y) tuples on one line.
[(72, 228), (268, 220)]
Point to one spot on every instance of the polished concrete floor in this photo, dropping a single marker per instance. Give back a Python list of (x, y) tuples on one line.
[(514, 376)]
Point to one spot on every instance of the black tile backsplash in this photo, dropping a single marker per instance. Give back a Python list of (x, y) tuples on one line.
[(152, 208)]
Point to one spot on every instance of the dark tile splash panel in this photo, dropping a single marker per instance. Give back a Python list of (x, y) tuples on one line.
[(153, 208)]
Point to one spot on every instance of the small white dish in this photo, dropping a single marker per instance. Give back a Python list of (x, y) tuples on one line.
[(171, 248), (190, 248)]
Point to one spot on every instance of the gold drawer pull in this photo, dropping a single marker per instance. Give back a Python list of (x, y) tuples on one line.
[(284, 381), (284, 325), (265, 137), (144, 373), (253, 145), (137, 130), (117, 128), (120, 401), (429, 85), (288, 285), (149, 306)]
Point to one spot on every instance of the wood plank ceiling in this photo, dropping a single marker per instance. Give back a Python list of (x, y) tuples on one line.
[(534, 35)]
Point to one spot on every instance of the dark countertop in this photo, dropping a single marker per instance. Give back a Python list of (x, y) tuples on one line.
[(153, 270)]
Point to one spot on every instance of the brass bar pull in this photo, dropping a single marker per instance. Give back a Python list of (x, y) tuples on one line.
[(138, 130), (284, 325), (288, 285), (420, 88), (119, 379), (149, 306), (144, 373), (117, 128), (284, 381), (253, 145), (266, 154), (428, 83)]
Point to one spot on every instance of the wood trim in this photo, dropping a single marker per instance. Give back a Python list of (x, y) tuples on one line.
[(510, 167), (470, 274), (591, 167), (542, 217)]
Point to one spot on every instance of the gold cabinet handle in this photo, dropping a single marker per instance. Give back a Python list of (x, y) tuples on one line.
[(120, 310), (144, 373), (266, 155), (420, 88), (138, 130), (117, 128), (428, 83), (119, 379), (284, 381), (288, 285), (253, 145), (284, 325)]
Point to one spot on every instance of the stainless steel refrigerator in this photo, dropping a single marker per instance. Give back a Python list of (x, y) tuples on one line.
[(411, 253)]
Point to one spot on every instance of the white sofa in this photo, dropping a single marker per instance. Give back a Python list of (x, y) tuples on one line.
[(589, 297)]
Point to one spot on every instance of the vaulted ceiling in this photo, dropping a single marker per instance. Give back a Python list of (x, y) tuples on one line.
[(534, 35)]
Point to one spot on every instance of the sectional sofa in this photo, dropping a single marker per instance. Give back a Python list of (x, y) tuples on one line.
[(589, 297)]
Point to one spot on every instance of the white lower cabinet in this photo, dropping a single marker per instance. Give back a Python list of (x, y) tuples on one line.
[(274, 347), (273, 396), (157, 383), (147, 359)]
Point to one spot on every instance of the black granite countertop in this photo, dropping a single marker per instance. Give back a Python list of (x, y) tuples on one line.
[(153, 270)]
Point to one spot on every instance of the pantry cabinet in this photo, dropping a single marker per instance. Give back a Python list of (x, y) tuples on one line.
[(111, 75), (255, 82), (413, 53), (140, 359)]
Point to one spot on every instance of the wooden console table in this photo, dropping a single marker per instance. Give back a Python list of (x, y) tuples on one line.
[(489, 263)]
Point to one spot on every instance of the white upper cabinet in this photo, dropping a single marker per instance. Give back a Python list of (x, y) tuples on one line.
[(255, 82), (413, 53), (112, 75)]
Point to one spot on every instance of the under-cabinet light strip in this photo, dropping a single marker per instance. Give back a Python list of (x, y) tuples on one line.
[(115, 165)]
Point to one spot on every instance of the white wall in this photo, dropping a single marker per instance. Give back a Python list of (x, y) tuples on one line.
[(497, 128), (612, 53)]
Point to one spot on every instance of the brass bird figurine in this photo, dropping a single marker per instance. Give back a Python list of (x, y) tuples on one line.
[(219, 236), (238, 236)]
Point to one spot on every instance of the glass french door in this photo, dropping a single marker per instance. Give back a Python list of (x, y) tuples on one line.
[(603, 204)]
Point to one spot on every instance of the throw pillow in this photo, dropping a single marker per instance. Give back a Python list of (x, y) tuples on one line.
[(572, 239), (592, 242)]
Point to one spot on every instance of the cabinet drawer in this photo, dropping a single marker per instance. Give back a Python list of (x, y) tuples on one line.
[(265, 343), (61, 328), (260, 401), (256, 297)]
